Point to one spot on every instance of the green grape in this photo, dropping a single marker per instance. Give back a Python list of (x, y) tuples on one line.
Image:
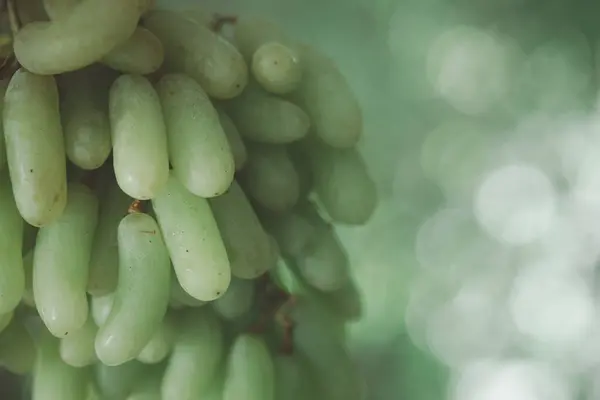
[(119, 381), (84, 119), (317, 337), (3, 87), (53, 378), (342, 183), (198, 148), (196, 356), (251, 32), (265, 118), (5, 320), (139, 137), (88, 33), (218, 66), (197, 251), (60, 277), (247, 244), (12, 272), (236, 144), (326, 96), (293, 232), (142, 294), (142, 53), (276, 67), (100, 307), (270, 177), (104, 262), (236, 301), (159, 346), (17, 349), (148, 388), (77, 349), (27, 298), (34, 147), (249, 372)]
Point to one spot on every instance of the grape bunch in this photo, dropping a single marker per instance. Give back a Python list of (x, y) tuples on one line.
[(167, 195)]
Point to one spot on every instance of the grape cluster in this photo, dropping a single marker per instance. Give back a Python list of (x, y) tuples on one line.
[(166, 201)]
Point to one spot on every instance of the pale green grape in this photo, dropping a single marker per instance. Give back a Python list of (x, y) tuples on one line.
[(104, 262), (77, 349), (5, 320), (119, 381), (277, 67), (89, 32), (34, 147), (265, 118), (249, 372), (100, 308), (180, 298), (17, 349), (247, 244), (3, 87), (236, 301), (60, 277), (142, 295), (342, 183), (236, 144), (139, 137), (316, 337), (28, 268), (197, 251), (217, 65), (12, 273), (142, 53), (293, 232), (159, 346), (270, 177), (196, 356), (84, 120), (251, 32), (53, 378), (326, 96), (198, 148)]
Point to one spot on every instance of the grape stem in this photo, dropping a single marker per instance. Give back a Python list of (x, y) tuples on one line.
[(135, 207)]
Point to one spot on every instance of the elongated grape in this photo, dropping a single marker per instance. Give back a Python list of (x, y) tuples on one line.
[(196, 356), (249, 372), (197, 251), (142, 294), (3, 87), (53, 378), (159, 346), (293, 232), (148, 388), (17, 349), (84, 119), (276, 67), (139, 137), (12, 273), (100, 308), (236, 144), (236, 301), (60, 277), (328, 99), (270, 177), (217, 65), (34, 147), (342, 183), (247, 244), (316, 338), (119, 381), (104, 262), (83, 36), (77, 349), (265, 118), (198, 147)]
